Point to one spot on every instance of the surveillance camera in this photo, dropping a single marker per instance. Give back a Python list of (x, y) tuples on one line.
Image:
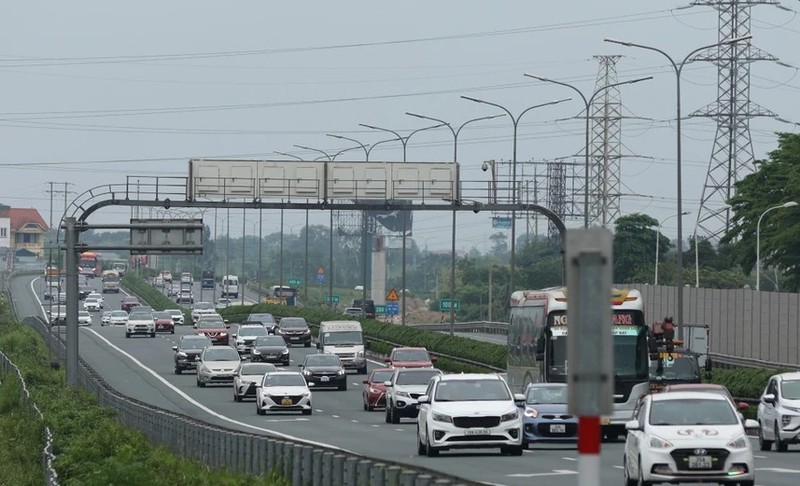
[(485, 166), (476, 208)]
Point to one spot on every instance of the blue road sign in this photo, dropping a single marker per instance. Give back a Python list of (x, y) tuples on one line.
[(392, 308)]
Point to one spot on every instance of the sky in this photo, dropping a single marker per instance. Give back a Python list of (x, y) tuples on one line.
[(97, 91)]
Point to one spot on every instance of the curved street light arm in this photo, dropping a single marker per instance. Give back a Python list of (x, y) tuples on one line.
[(613, 85), (340, 137), (549, 103), (288, 155), (561, 83), (315, 150), (343, 151), (370, 147)]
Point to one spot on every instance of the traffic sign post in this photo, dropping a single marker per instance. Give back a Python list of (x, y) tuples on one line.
[(380, 310), (294, 282), (589, 346), (331, 299), (445, 305), (392, 308)]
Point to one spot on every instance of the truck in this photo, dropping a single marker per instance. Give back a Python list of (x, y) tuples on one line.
[(110, 281), (367, 305), (120, 268), (207, 279), (345, 340), (230, 286)]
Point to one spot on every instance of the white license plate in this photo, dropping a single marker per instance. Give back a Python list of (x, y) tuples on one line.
[(476, 432), (324, 378), (558, 429), (699, 462)]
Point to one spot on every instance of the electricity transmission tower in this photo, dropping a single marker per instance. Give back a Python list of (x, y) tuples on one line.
[(732, 154)]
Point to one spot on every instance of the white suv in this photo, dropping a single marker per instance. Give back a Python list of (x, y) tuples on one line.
[(403, 390), (140, 322), (779, 412), (468, 411), (200, 309)]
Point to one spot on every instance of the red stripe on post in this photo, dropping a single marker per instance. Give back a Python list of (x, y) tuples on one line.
[(589, 435)]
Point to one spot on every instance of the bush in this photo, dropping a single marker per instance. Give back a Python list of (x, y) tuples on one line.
[(744, 382), (436, 342)]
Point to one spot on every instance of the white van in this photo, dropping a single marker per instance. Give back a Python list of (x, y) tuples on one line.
[(345, 340), (230, 286)]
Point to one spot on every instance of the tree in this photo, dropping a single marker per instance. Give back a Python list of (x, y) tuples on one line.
[(635, 247), (775, 182)]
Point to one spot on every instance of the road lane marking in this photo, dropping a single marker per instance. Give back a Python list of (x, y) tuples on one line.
[(376, 425), (779, 470), (556, 472), (569, 458), (206, 409), (298, 419), (335, 416), (354, 421), (617, 467)]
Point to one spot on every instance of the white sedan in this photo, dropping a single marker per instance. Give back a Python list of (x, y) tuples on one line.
[(282, 391), (248, 377), (84, 318), (118, 318), (91, 304), (688, 437)]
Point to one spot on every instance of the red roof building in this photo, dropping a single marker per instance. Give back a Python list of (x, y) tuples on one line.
[(27, 229)]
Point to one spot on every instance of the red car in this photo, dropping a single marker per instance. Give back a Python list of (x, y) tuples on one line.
[(164, 322), (213, 327), (374, 394), (129, 303), (410, 358)]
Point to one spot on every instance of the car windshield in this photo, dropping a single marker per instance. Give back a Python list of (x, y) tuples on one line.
[(381, 376), (675, 367), (692, 411), (119, 313), (293, 322), (84, 313), (546, 394), (411, 355), (130, 301), (211, 324), (256, 368), (274, 379), (322, 360), (221, 354), (340, 338), (471, 390), (195, 342), (270, 341), (790, 389), (162, 315), (140, 316), (175, 312), (265, 318), (204, 306), (253, 331), (415, 377)]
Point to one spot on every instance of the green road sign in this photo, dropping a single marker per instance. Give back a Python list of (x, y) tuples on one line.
[(380, 310), (444, 305), (294, 282), (334, 299)]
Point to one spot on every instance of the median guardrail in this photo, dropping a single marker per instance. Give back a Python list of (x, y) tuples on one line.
[(484, 327), (48, 458), (255, 454)]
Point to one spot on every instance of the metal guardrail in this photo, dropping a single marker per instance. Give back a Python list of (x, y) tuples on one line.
[(255, 454), (485, 327), (48, 458), (735, 361)]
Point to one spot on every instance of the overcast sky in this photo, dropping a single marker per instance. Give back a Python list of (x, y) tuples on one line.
[(93, 91)]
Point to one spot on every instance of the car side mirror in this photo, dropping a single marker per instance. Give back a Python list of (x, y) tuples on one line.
[(233, 335), (227, 326), (387, 383), (226, 321), (175, 348), (519, 399), (299, 366), (387, 360), (194, 326), (258, 385), (424, 399), (768, 398), (750, 424), (632, 425), (310, 384), (742, 406), (434, 359), (366, 382), (319, 346)]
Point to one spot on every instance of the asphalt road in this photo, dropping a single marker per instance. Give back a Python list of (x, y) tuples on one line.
[(143, 368)]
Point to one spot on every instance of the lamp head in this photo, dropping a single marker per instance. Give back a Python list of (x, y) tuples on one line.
[(485, 166), (790, 204)]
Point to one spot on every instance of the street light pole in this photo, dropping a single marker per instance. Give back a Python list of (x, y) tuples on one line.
[(404, 141), (696, 252), (789, 204), (587, 103), (455, 133), (515, 122), (658, 234), (678, 68)]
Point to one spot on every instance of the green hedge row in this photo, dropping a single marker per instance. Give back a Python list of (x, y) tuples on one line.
[(152, 296), (744, 382), (92, 446), (435, 342)]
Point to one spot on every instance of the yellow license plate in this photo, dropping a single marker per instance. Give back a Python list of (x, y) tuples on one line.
[(605, 421), (286, 401)]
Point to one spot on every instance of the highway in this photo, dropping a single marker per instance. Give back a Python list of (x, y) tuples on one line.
[(143, 369)]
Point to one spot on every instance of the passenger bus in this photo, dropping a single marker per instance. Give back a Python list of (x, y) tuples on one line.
[(282, 295), (90, 265), (537, 347)]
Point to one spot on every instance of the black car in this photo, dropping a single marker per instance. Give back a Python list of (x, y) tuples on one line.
[(294, 330), (264, 318), (187, 351), (270, 349), (324, 370)]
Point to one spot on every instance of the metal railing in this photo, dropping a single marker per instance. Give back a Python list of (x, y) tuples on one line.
[(48, 458), (483, 327), (243, 452)]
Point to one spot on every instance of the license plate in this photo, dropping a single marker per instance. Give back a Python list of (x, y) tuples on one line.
[(324, 378), (558, 429), (286, 401), (476, 432), (605, 421), (699, 462)]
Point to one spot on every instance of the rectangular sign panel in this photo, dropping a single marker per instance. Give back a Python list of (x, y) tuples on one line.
[(167, 237)]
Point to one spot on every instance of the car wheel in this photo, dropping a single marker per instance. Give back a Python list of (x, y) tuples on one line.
[(152, 334), (172, 331), (395, 417), (430, 451), (626, 475), (200, 384), (780, 445), (237, 398), (763, 444), (641, 481), (362, 371), (177, 371), (512, 450), (308, 345), (259, 411), (307, 412), (127, 334), (388, 418), (343, 386), (421, 450), (286, 363), (747, 483)]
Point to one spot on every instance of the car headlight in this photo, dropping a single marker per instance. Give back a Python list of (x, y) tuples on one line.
[(223, 333), (440, 417), (359, 354), (740, 442), (181, 354), (531, 412), (792, 409), (256, 351), (659, 443), (403, 394), (509, 416), (307, 331), (340, 372), (374, 390), (306, 372), (285, 351)]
